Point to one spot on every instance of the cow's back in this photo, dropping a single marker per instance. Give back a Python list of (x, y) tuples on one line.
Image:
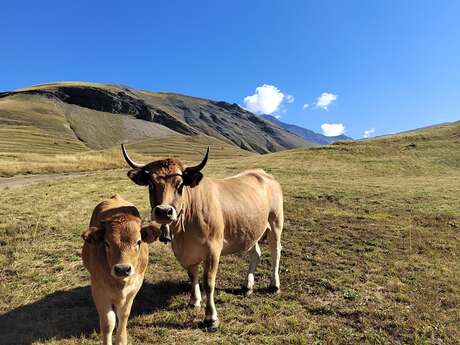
[(111, 207)]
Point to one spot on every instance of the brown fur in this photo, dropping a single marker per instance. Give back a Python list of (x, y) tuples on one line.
[(116, 222)]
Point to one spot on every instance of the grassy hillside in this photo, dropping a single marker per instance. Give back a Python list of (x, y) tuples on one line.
[(371, 253), (51, 160), (102, 115)]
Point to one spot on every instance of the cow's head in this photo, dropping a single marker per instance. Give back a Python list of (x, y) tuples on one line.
[(166, 180), (124, 240)]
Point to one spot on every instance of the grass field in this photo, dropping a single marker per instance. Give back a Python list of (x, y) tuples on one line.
[(371, 253), (37, 162), (41, 135)]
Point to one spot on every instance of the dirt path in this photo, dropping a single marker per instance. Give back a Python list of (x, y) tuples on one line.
[(26, 180)]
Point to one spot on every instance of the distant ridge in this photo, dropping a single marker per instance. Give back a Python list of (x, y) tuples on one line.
[(305, 133)]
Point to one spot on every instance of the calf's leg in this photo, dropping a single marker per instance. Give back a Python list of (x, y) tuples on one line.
[(195, 296), (107, 318), (123, 312)]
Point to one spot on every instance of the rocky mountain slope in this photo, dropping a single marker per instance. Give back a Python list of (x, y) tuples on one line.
[(305, 133), (103, 115)]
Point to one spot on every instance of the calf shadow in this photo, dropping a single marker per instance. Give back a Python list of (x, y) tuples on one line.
[(71, 313)]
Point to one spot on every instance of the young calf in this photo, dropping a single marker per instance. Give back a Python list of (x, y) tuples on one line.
[(116, 254)]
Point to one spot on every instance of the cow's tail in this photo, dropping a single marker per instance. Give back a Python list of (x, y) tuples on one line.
[(264, 238)]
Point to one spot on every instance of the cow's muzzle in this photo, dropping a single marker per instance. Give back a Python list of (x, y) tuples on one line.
[(122, 270), (164, 214)]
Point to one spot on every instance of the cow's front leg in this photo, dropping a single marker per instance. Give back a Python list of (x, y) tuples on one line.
[(195, 296), (123, 312), (211, 266), (107, 318)]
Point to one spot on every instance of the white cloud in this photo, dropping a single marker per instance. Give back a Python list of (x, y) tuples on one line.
[(332, 129), (266, 100), (277, 117), (325, 100), (368, 132), (290, 98), (305, 106)]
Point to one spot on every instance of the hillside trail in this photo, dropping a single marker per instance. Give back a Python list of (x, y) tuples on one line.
[(8, 183)]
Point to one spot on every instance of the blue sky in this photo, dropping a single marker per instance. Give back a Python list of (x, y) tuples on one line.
[(391, 65)]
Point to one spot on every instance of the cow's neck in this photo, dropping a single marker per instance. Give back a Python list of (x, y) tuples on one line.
[(189, 198)]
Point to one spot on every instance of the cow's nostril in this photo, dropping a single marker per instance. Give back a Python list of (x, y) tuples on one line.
[(170, 212), (157, 211)]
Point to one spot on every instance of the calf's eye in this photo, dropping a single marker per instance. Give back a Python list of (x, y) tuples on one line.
[(106, 244), (139, 243)]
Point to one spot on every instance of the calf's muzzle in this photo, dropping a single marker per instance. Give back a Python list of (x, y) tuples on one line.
[(122, 270)]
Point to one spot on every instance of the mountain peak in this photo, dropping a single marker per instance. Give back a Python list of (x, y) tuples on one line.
[(306, 134)]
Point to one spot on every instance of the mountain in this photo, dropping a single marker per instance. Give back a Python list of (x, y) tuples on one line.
[(304, 133), (98, 116)]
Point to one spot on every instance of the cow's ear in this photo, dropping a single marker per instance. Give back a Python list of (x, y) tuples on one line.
[(150, 233), (139, 176), (191, 178), (93, 234)]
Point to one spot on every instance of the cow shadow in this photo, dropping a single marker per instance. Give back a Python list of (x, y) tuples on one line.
[(71, 313)]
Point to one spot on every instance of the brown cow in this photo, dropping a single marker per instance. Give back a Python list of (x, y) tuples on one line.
[(209, 218), (116, 254)]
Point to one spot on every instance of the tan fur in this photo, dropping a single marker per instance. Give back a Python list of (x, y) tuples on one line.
[(218, 217), (113, 295)]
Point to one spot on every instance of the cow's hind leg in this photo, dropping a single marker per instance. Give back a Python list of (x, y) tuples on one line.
[(195, 296), (254, 258), (274, 239)]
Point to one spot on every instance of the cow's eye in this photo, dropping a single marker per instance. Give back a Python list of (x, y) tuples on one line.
[(139, 243), (106, 244)]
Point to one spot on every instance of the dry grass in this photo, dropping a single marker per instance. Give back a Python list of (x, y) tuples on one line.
[(37, 162), (370, 255)]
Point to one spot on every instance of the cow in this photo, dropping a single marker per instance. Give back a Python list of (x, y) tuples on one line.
[(116, 254), (213, 217)]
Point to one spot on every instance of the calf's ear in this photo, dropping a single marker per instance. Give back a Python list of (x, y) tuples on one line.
[(93, 234), (191, 178), (139, 176), (150, 233)]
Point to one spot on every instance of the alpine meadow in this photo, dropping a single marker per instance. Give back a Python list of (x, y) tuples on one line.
[(369, 248), (245, 172)]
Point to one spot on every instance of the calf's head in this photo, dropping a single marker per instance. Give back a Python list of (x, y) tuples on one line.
[(124, 241), (166, 179)]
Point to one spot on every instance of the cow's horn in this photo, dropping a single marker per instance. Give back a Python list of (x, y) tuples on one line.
[(131, 163), (202, 164)]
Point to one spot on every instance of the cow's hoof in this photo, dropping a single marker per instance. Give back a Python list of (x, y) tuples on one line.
[(194, 306), (246, 291), (211, 325), (274, 289)]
